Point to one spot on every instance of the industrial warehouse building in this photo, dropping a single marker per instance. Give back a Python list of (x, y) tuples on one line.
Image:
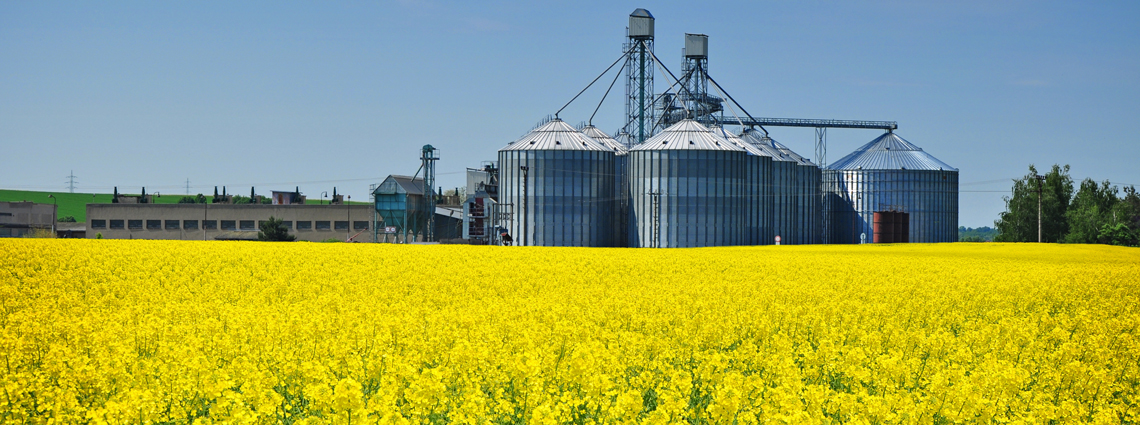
[(227, 221), (20, 218)]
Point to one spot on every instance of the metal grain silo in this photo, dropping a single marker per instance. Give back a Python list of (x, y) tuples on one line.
[(560, 185), (621, 181), (806, 199), (685, 189), (757, 210), (891, 174), (781, 189)]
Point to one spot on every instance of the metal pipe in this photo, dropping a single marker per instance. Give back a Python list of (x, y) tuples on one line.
[(525, 170)]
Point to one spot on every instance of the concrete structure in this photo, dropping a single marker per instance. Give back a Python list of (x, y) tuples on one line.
[(209, 221), (70, 230), (20, 218)]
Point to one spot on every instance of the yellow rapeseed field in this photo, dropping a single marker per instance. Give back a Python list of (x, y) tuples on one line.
[(103, 331)]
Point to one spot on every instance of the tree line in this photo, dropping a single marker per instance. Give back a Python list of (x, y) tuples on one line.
[(1095, 213)]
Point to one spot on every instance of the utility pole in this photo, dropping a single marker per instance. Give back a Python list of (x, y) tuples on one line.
[(525, 170), (1040, 182), (187, 186)]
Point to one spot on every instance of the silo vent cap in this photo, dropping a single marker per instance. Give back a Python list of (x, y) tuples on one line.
[(557, 142)]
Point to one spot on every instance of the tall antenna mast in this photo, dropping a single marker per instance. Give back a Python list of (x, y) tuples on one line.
[(639, 77)]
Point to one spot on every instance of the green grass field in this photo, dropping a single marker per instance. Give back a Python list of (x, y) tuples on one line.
[(75, 204)]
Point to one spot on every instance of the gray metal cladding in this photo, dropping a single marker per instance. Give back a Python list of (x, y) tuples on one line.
[(891, 174), (929, 196), (569, 188), (698, 178), (621, 179), (757, 184), (788, 190)]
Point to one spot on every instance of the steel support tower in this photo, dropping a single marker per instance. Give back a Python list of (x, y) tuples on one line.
[(639, 77), (700, 105), (429, 157)]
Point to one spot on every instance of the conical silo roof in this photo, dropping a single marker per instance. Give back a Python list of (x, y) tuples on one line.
[(889, 152), (687, 135), (555, 135), (791, 154), (603, 138), (734, 139), (763, 142)]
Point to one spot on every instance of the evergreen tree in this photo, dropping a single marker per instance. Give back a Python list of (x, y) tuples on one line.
[(1018, 223), (274, 230)]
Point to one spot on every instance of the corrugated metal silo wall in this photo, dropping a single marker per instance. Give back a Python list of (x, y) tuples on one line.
[(760, 183), (783, 181), (701, 197), (570, 197), (621, 200), (929, 196), (809, 201), (799, 210), (757, 206)]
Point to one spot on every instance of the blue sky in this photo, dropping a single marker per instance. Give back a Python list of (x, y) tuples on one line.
[(323, 94)]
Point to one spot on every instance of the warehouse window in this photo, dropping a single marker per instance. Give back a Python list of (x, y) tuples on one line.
[(171, 224), (304, 225), (247, 225), (322, 225), (134, 224), (229, 225), (153, 224), (116, 224), (98, 224), (360, 225), (210, 224), (190, 224), (287, 224), (340, 225)]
